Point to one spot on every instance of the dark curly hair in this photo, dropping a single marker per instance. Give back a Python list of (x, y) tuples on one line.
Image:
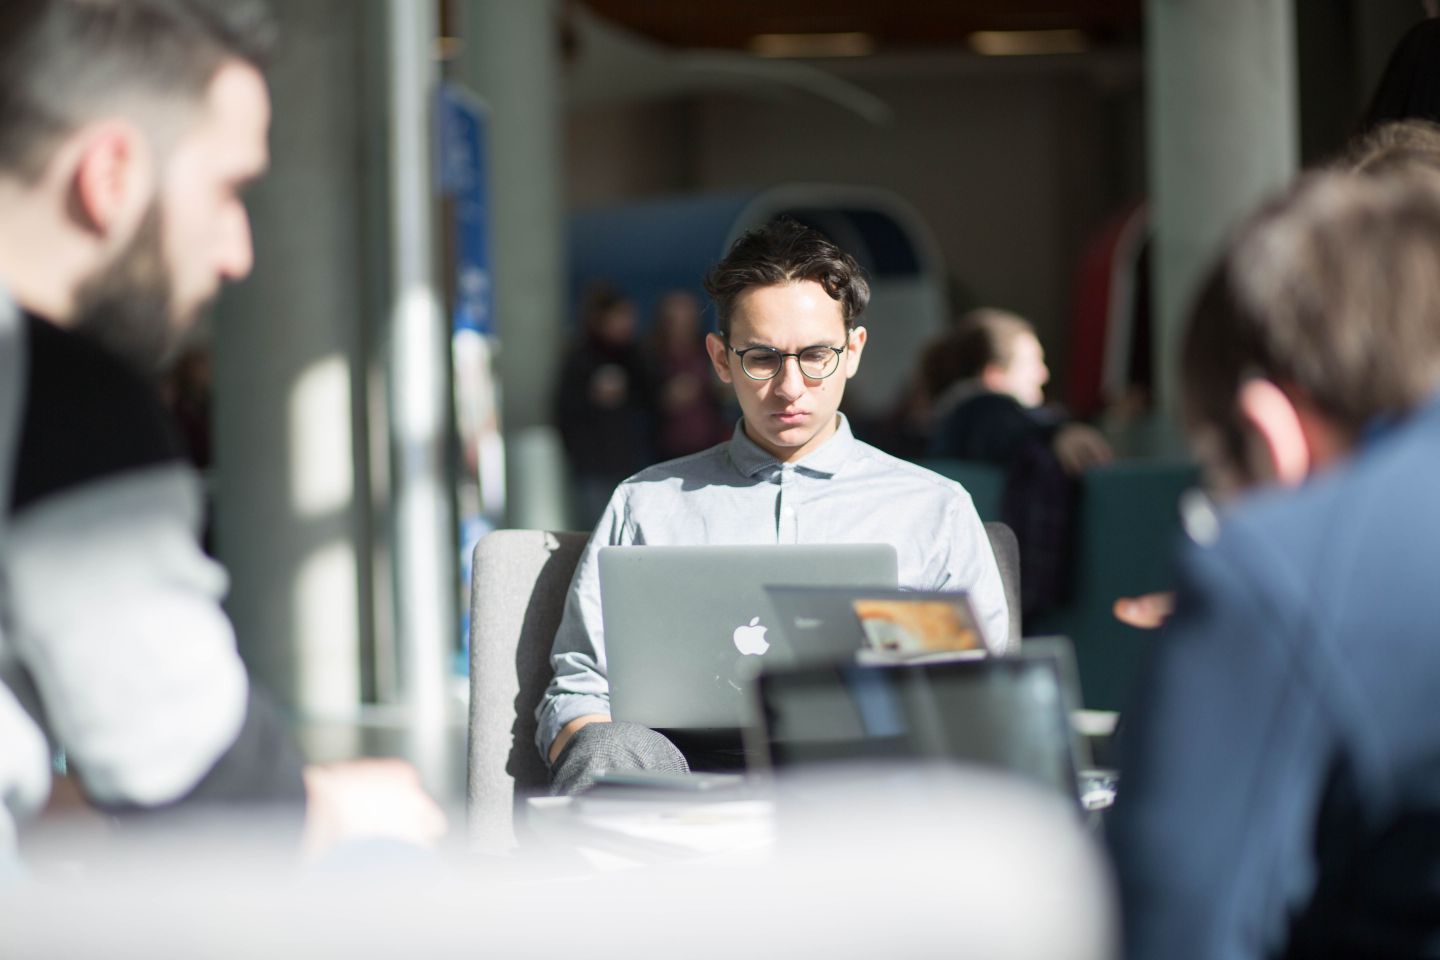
[(786, 251)]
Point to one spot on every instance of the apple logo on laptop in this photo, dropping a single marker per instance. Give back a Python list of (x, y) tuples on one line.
[(750, 640)]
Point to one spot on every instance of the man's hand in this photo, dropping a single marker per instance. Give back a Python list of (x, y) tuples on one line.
[(572, 728), (1146, 612), (1079, 447), (357, 799)]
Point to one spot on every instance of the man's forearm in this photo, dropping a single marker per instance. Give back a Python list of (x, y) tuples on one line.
[(572, 728)]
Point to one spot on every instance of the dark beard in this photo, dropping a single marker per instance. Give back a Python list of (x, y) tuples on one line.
[(127, 306)]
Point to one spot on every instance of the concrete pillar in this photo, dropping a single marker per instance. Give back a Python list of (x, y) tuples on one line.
[(1222, 125), (509, 56), (291, 513), (418, 358)]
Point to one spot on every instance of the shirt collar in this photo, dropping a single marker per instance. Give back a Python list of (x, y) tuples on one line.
[(1380, 426), (825, 461)]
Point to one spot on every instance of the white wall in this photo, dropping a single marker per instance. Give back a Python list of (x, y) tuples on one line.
[(1011, 163)]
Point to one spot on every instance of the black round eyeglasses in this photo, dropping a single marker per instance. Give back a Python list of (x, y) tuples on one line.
[(765, 363)]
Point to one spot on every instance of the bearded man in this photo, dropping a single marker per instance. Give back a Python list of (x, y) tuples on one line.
[(128, 131)]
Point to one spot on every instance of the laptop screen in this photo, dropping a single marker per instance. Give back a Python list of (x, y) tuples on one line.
[(1003, 712), (687, 627), (832, 623)]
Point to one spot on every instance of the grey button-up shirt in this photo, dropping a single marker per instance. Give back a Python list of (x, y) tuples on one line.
[(735, 493)]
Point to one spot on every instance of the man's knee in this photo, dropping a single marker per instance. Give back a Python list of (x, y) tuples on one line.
[(600, 747)]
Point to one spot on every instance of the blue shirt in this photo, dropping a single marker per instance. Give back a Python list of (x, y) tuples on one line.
[(1280, 768), (845, 491)]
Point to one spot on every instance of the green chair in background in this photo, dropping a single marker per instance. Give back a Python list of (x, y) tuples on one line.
[(1127, 532), (985, 482)]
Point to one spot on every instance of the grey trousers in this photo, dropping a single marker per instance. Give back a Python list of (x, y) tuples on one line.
[(618, 745)]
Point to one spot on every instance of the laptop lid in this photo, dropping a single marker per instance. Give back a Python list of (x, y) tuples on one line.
[(819, 624), (1006, 712), (814, 623), (1061, 650), (685, 627), (910, 624)]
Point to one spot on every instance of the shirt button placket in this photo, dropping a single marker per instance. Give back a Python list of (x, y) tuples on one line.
[(787, 525)]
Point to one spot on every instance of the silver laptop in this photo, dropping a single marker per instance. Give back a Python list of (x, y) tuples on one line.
[(686, 628)]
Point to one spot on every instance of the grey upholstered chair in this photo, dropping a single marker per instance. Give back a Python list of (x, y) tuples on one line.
[(1007, 557), (517, 595), (518, 589)]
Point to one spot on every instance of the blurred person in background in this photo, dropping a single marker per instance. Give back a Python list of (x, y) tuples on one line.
[(605, 401), (1279, 768), (688, 415), (128, 131), (987, 378)]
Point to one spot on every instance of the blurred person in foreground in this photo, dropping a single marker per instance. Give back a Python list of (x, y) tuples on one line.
[(1280, 790), (128, 131), (1391, 148), (788, 303), (987, 378)]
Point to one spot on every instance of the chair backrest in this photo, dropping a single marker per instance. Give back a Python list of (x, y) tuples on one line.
[(1127, 536), (519, 583), (1007, 557)]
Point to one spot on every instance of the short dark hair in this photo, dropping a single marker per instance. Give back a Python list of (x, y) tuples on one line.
[(980, 337), (786, 251), (64, 61), (1333, 290)]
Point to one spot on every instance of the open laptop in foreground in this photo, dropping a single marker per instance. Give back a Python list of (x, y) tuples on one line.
[(686, 628), (1011, 712)]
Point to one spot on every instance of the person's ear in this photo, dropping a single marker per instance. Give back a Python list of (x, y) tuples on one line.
[(852, 355), (112, 178), (719, 355), (994, 378), (1273, 415)]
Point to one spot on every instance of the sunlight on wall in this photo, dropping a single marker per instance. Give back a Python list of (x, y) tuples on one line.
[(327, 674), (426, 587), (322, 469), (325, 593)]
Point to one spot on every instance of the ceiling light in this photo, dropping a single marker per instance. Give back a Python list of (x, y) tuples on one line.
[(812, 44), (1023, 43)]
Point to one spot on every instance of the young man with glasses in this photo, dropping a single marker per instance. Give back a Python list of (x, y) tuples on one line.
[(787, 302)]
